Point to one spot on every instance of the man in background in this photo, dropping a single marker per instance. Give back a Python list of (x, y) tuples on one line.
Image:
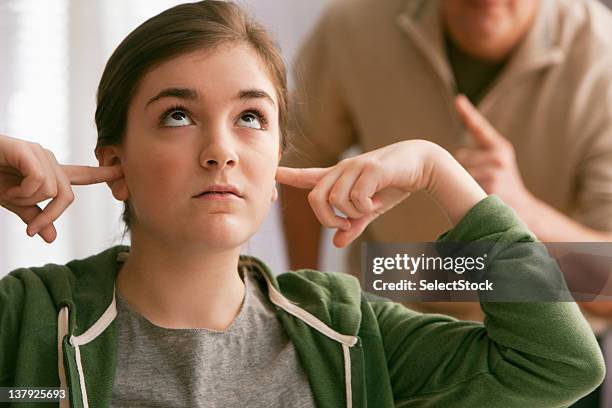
[(534, 127)]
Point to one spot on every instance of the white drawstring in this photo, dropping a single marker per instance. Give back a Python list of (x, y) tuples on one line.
[(347, 375), (81, 377), (345, 340), (76, 341), (91, 334), (62, 331)]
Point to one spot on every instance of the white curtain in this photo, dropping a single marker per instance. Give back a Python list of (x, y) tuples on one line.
[(52, 54)]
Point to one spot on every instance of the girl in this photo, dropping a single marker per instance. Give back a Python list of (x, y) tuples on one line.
[(192, 121)]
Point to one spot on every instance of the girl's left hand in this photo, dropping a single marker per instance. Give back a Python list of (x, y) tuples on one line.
[(365, 186)]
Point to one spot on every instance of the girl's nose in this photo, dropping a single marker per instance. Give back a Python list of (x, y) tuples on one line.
[(218, 155), (219, 164)]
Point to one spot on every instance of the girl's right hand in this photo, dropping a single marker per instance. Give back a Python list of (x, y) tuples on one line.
[(365, 186), (30, 174)]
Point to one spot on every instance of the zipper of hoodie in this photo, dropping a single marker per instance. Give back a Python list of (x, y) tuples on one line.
[(76, 342), (346, 341)]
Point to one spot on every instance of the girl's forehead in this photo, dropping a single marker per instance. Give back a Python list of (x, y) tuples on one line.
[(219, 72)]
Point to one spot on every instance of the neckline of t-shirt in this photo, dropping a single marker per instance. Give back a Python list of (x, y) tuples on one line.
[(246, 303)]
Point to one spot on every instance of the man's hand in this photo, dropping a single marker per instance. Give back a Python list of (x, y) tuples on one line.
[(491, 161)]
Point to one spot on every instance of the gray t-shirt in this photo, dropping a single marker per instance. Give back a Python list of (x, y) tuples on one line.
[(251, 364)]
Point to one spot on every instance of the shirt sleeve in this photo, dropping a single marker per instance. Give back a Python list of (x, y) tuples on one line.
[(524, 355), (594, 184), (322, 128)]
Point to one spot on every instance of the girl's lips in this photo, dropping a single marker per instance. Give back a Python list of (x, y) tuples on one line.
[(219, 196), (221, 188)]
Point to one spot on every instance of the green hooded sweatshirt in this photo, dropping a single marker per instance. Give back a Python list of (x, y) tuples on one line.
[(356, 349)]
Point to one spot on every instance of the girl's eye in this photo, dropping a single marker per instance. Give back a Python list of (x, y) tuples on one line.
[(176, 118), (251, 120)]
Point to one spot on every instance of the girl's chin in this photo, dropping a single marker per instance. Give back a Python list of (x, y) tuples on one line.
[(227, 233), (217, 242)]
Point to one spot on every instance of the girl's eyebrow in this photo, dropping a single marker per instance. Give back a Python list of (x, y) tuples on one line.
[(182, 93), (256, 93), (192, 94)]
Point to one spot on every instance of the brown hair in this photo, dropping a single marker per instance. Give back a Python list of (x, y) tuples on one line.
[(177, 31)]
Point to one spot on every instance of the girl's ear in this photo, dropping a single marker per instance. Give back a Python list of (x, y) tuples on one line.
[(110, 156), (274, 188)]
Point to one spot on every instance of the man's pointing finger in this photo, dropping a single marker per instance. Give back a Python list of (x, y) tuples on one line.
[(483, 133)]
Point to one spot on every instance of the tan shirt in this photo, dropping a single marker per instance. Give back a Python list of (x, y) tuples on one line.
[(375, 72)]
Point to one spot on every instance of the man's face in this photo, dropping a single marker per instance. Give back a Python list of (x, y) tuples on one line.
[(202, 119), (488, 26)]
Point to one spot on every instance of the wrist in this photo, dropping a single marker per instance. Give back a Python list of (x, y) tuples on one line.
[(451, 185)]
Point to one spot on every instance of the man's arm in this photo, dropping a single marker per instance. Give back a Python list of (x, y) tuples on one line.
[(493, 165), (550, 225)]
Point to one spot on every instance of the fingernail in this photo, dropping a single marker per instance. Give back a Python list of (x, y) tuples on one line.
[(34, 230)]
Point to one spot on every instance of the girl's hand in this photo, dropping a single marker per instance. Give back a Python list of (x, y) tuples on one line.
[(30, 174), (366, 186)]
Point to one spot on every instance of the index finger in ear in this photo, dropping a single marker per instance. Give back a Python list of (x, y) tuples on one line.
[(83, 175), (300, 178)]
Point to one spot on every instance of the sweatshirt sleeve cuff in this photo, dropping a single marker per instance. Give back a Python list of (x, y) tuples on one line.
[(490, 217)]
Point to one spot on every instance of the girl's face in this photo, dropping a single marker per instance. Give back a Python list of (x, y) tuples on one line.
[(202, 122)]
